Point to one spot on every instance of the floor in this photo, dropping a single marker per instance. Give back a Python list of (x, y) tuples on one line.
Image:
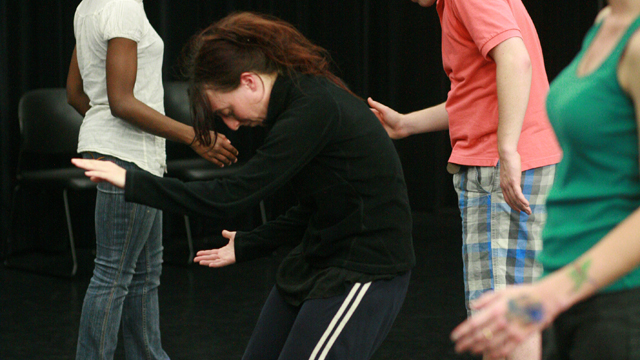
[(209, 313)]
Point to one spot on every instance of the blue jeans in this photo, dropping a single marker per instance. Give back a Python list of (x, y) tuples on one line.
[(124, 286)]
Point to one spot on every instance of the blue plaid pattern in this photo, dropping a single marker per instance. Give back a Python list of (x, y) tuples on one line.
[(500, 245)]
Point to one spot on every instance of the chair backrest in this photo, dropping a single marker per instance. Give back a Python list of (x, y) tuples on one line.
[(176, 106), (176, 101), (48, 124)]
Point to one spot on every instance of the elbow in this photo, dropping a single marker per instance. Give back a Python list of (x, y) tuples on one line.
[(70, 101), (519, 63), (72, 97), (118, 108), (524, 63), (121, 106), (75, 101)]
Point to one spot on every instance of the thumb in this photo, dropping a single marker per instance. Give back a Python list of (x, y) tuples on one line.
[(229, 234)]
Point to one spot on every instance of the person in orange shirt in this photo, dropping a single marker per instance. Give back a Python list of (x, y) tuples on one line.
[(504, 150)]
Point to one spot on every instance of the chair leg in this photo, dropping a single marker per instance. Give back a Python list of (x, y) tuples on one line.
[(12, 214), (16, 262), (70, 229), (187, 227), (263, 212)]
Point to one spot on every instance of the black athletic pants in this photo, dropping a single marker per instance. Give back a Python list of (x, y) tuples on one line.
[(350, 326)]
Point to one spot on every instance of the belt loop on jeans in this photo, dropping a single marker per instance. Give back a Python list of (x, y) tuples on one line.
[(453, 168)]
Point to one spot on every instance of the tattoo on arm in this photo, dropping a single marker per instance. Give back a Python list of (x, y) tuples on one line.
[(525, 310), (580, 275)]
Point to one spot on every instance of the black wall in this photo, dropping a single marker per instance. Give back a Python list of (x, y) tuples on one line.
[(387, 49)]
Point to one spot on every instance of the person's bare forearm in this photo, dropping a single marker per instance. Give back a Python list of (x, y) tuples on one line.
[(433, 118), (146, 118), (595, 269)]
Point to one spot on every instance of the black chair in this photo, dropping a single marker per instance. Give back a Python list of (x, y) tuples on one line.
[(49, 130), (182, 162)]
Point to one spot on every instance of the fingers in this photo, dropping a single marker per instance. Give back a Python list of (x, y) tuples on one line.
[(221, 153), (91, 164), (481, 334), (507, 318), (100, 170), (211, 258), (227, 155), (215, 263), (483, 300), (514, 197), (376, 105), (206, 256), (226, 144)]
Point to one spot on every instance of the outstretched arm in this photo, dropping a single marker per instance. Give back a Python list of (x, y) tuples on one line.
[(98, 171), (223, 256), (399, 126)]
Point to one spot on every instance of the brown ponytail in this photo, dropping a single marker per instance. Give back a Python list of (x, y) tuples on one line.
[(217, 56)]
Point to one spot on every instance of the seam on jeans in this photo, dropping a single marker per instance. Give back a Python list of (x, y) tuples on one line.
[(118, 278), (145, 249)]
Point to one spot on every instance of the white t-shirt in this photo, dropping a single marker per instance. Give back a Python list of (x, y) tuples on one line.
[(95, 23)]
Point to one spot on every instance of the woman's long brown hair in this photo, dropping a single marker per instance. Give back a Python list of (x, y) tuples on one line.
[(217, 56)]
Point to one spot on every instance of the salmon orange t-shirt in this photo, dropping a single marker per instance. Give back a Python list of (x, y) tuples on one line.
[(470, 29)]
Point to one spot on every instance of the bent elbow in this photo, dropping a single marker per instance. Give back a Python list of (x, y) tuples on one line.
[(118, 108)]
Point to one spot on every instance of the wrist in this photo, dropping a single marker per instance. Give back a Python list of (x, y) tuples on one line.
[(507, 151), (403, 128), (193, 141), (554, 301)]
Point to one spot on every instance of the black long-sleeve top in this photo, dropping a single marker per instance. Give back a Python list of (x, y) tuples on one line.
[(353, 221)]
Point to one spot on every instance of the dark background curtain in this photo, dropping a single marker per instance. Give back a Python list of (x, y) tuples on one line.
[(389, 50)]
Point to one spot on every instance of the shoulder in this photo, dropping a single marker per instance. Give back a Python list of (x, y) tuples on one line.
[(602, 14), (629, 68), (317, 91)]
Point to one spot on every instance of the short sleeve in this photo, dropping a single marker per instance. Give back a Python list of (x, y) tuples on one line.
[(125, 19), (488, 22)]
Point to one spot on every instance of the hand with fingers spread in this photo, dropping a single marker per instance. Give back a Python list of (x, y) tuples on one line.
[(221, 152), (223, 256), (99, 170), (504, 319), (510, 176), (390, 119)]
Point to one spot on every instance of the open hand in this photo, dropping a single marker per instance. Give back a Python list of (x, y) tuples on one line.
[(223, 256), (390, 119), (505, 319), (100, 170)]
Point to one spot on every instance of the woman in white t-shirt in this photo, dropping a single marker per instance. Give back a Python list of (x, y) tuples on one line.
[(115, 82)]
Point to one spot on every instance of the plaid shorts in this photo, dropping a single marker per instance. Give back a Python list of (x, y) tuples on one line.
[(500, 245)]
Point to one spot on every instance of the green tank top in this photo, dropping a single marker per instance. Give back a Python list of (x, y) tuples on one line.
[(597, 182)]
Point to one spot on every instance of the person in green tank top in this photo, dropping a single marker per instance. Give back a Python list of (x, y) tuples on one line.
[(590, 290)]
